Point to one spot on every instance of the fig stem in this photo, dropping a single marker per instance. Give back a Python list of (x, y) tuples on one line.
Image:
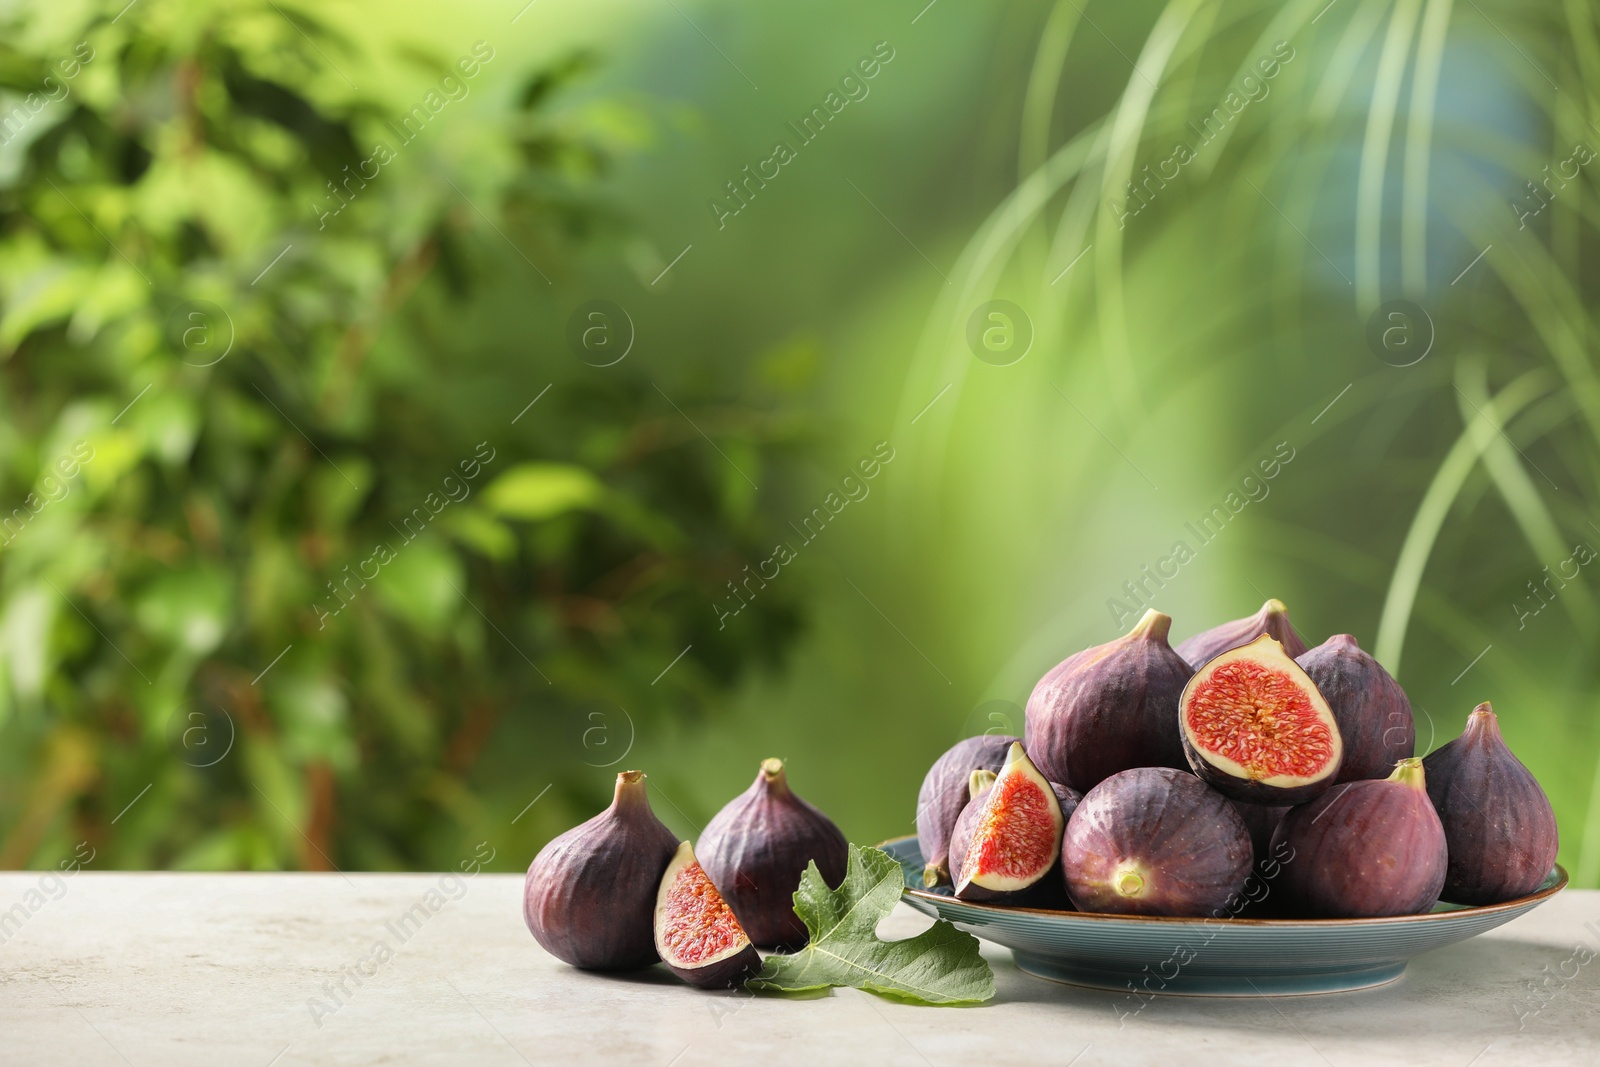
[(630, 790), (1129, 884), (1153, 625), (1409, 772)]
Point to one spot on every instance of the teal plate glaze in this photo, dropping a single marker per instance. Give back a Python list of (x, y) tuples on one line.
[(1146, 956)]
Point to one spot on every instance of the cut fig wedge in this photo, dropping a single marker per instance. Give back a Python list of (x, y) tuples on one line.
[(697, 934), (1255, 727), (1016, 834)]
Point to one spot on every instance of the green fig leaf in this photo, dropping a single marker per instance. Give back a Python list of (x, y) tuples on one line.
[(941, 965)]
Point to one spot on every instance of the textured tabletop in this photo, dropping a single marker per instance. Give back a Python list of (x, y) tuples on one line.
[(291, 969)]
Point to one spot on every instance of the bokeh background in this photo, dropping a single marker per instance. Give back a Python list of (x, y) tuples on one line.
[(361, 505)]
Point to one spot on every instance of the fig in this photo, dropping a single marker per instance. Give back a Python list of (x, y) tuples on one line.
[(697, 935), (1374, 716), (756, 848), (1016, 834), (1109, 708), (944, 794), (1498, 823), (1261, 820), (1272, 619), (590, 892), (1047, 892), (1256, 729), (1155, 841), (1364, 849)]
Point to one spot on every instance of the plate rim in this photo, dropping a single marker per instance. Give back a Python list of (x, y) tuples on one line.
[(1460, 912)]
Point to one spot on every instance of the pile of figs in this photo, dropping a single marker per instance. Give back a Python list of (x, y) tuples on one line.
[(1164, 781), (620, 891)]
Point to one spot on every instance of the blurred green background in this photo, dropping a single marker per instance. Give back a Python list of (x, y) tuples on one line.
[(341, 533)]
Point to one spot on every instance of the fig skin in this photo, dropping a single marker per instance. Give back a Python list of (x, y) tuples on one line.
[(1109, 708), (756, 848), (1155, 841), (724, 973), (1273, 618), (1364, 849), (1261, 820), (944, 794), (589, 896), (992, 804), (1498, 824), (1373, 712), (1266, 652), (1047, 892)]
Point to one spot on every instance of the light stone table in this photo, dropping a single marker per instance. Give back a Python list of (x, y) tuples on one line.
[(287, 969)]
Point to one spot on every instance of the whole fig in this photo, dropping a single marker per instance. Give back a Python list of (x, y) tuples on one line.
[(1364, 849), (1109, 708), (1272, 619), (756, 848), (1498, 823), (944, 794), (590, 894), (1372, 711)]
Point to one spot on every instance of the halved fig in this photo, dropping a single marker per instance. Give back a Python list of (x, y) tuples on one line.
[(1155, 841), (1373, 713), (697, 934), (1048, 891), (944, 794), (1016, 836), (1256, 729), (1272, 620)]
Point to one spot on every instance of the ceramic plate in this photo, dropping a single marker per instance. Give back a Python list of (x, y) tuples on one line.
[(1210, 957)]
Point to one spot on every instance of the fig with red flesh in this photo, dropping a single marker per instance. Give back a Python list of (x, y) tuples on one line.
[(1155, 841), (696, 933), (1047, 891), (1272, 620), (1498, 823), (1109, 708), (1016, 834), (1256, 729), (944, 794), (756, 848), (1373, 713), (1364, 849), (590, 893)]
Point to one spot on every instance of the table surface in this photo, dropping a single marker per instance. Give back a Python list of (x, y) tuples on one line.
[(246, 969)]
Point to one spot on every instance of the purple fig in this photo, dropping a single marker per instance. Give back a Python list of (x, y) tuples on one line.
[(944, 794), (1261, 820), (1016, 834), (1364, 849), (1371, 709), (756, 848), (1256, 729), (1109, 708), (1155, 841), (1498, 823), (590, 892), (1272, 619), (697, 935)]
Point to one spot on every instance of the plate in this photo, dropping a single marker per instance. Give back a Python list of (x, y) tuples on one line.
[(1146, 956)]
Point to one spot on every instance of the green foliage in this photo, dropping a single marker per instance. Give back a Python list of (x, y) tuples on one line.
[(302, 566)]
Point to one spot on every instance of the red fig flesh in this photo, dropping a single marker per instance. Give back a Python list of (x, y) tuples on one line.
[(1016, 836), (1256, 729), (1498, 823), (1373, 713), (590, 892), (1364, 849), (756, 848), (1272, 619), (944, 794), (1109, 708), (696, 933), (1155, 841)]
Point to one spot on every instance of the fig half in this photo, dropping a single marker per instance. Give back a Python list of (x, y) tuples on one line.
[(1498, 823), (590, 892), (1109, 708), (1256, 729), (1373, 713), (1364, 849), (1016, 834), (696, 933), (944, 794), (1155, 841), (1047, 892), (1272, 620), (756, 848)]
